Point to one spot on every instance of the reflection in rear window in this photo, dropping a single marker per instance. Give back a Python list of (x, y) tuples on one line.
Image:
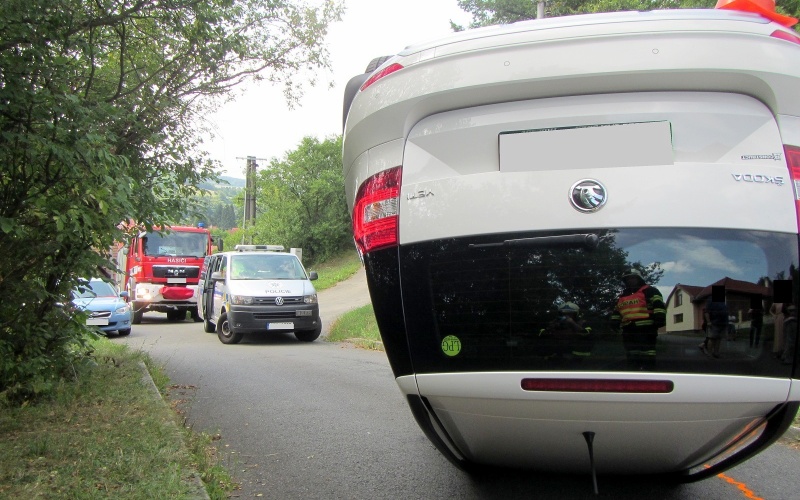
[(502, 299)]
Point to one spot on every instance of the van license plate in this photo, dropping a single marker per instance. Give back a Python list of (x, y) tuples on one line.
[(97, 321), (280, 326)]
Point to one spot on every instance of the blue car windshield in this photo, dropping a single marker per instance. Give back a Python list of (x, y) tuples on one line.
[(95, 289)]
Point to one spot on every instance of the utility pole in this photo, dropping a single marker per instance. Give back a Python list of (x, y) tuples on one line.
[(540, 10), (250, 191)]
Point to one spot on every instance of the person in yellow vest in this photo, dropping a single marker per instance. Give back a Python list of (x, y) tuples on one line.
[(639, 313), (568, 335)]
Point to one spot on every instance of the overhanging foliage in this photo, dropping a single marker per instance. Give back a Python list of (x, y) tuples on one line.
[(99, 106)]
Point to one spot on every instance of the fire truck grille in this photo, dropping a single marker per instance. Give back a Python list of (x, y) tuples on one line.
[(176, 271)]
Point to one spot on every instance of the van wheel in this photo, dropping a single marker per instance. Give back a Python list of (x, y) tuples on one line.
[(225, 332), (308, 335), (208, 326)]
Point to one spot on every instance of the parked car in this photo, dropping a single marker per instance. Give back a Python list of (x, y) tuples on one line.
[(497, 174), (105, 306)]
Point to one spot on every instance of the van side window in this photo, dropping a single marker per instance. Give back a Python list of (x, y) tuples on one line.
[(223, 265)]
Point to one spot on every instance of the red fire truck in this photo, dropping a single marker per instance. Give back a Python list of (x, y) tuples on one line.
[(162, 270)]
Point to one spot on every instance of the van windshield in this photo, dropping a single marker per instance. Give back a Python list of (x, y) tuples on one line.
[(266, 267), (500, 300)]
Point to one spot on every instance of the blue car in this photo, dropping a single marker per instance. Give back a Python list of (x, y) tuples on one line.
[(106, 308)]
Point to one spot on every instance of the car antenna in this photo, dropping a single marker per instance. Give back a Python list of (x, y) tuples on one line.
[(589, 437)]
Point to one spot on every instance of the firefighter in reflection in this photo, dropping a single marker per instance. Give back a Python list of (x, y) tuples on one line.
[(639, 313), (568, 334)]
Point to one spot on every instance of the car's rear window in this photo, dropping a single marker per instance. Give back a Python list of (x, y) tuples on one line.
[(492, 302)]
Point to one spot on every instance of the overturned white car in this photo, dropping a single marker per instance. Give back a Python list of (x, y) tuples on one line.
[(625, 171)]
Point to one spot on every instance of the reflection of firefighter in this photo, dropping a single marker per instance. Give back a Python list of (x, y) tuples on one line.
[(639, 313), (568, 334)]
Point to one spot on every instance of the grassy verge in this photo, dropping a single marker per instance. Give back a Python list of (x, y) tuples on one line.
[(357, 326), (337, 269), (103, 434)]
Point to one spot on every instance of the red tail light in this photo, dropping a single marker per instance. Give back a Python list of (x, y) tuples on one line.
[(597, 385), (375, 211), (793, 161), (783, 35), (388, 70)]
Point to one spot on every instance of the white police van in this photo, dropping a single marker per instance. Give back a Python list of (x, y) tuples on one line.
[(498, 173), (258, 289)]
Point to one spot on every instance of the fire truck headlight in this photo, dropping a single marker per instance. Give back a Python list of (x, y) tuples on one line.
[(241, 300)]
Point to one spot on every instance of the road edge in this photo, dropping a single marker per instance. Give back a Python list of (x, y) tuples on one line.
[(194, 483)]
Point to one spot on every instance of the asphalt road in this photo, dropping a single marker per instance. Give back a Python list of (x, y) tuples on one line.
[(326, 420)]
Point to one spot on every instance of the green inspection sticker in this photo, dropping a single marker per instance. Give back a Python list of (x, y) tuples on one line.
[(451, 345)]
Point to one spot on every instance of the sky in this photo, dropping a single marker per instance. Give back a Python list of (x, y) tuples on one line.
[(259, 123)]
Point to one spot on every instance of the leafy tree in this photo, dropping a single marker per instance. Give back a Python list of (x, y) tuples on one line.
[(488, 12), (301, 202), (99, 110), (229, 219)]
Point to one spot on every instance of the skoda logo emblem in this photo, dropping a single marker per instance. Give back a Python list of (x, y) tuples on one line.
[(587, 195), (278, 301)]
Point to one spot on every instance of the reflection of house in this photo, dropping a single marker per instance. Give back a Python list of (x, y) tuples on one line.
[(685, 303), (681, 314)]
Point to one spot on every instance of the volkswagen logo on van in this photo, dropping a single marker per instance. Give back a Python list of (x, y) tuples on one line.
[(587, 195), (278, 301)]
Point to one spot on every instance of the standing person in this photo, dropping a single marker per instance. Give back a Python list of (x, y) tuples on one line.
[(776, 310), (790, 334), (569, 333), (639, 313), (731, 326), (756, 323), (704, 344), (716, 316)]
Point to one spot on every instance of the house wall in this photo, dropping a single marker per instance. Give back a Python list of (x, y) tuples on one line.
[(686, 309)]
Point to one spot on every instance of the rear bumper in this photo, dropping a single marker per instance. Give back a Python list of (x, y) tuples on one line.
[(165, 305), (486, 419)]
